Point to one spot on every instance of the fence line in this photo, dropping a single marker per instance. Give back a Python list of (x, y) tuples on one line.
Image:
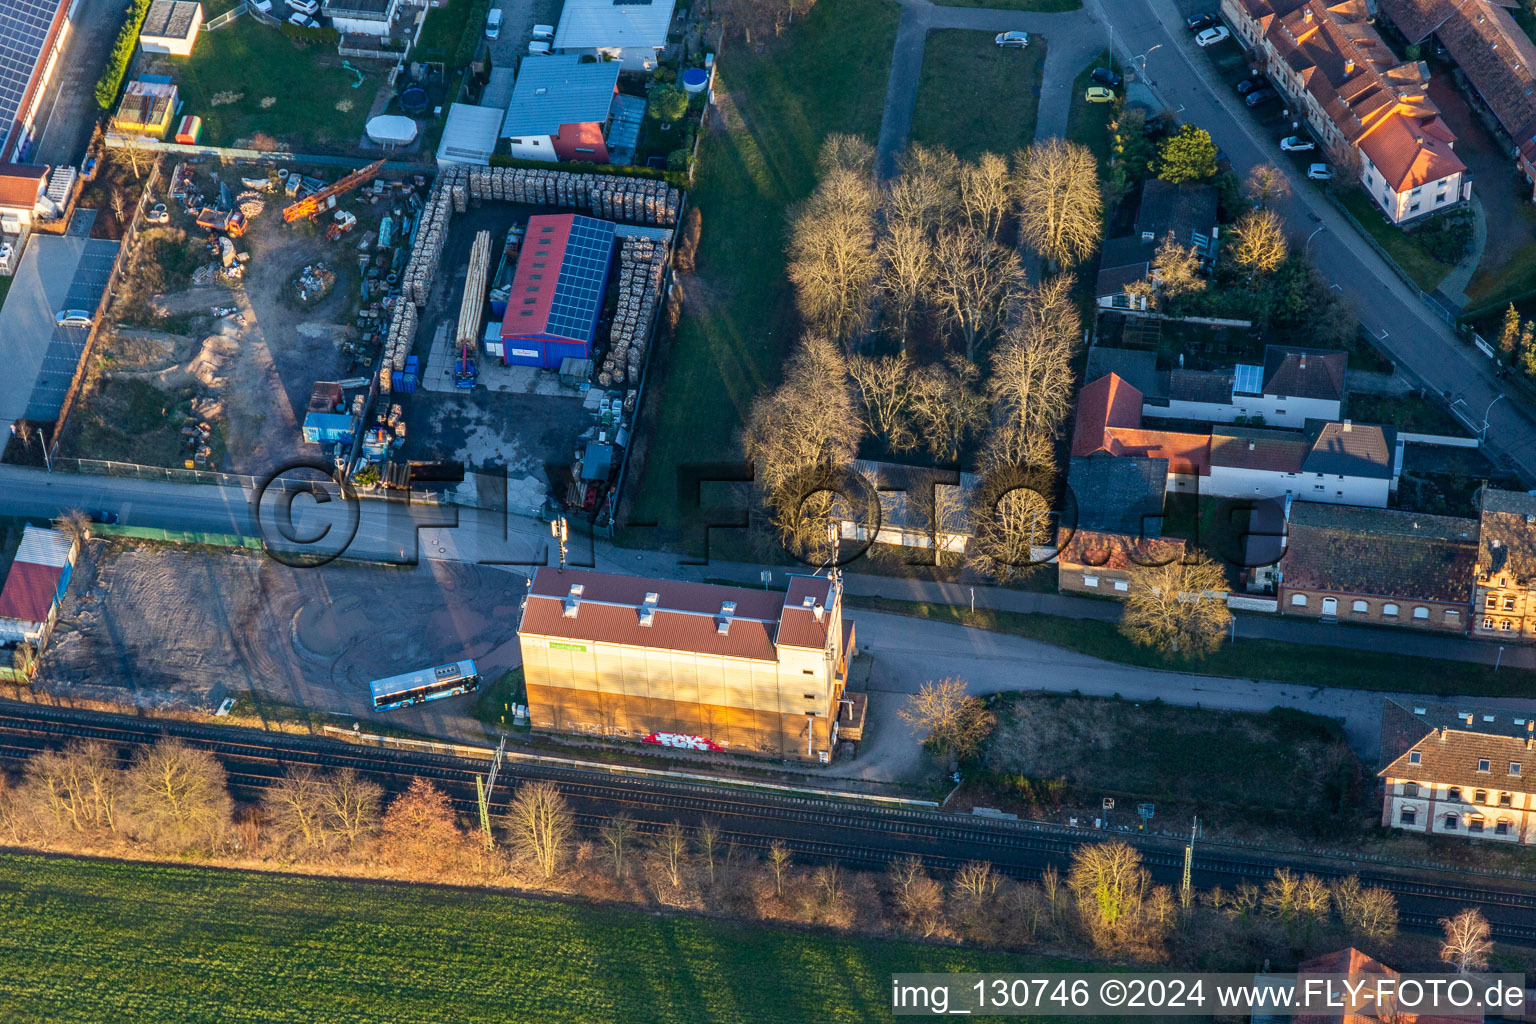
[(115, 141)]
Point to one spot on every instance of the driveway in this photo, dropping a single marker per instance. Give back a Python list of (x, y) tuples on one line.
[(70, 102), (1420, 343), (1073, 39)]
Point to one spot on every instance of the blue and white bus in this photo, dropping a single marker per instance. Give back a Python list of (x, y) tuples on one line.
[(426, 684)]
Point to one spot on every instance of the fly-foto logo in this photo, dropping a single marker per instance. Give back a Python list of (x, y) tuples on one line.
[(683, 741)]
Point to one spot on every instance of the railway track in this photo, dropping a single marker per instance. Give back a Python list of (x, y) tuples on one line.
[(814, 828)]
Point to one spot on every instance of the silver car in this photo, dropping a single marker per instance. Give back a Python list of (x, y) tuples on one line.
[(1019, 39)]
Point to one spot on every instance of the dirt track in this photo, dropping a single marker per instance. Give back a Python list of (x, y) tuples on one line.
[(187, 627)]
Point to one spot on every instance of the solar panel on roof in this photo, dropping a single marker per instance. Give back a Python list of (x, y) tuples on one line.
[(583, 272), (1248, 380), (24, 28)]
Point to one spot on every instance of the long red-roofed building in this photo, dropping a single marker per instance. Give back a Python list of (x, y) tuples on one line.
[(691, 665)]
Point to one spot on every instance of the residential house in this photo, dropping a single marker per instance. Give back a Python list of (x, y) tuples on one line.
[(1504, 601), (33, 34), (631, 33), (1378, 566), (1497, 60), (22, 191), (920, 507), (1292, 386), (363, 17), (1313, 995), (1186, 212), (690, 664), (560, 109), (1117, 526), (171, 27), (1344, 463), (1454, 770), (1367, 107)]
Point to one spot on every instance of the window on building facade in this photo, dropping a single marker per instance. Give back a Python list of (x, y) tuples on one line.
[(1480, 796), (1501, 828), (1299, 600), (1482, 764), (1453, 793), (1506, 799), (1410, 789), (1504, 626), (1514, 768), (1474, 823), (1090, 581), (1121, 585), (1451, 822), (1491, 602), (1452, 615), (1389, 609), (1360, 607), (1415, 757), (1439, 198), (1414, 208), (1487, 623), (1408, 816), (1509, 603), (1421, 612)]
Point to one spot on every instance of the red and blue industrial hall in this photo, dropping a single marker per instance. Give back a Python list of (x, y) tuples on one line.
[(557, 292)]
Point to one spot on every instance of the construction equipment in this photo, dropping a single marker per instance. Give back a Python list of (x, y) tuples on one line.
[(233, 224), (473, 304), (313, 204)]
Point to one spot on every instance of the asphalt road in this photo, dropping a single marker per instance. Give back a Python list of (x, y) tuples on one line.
[(69, 102), (1151, 34)]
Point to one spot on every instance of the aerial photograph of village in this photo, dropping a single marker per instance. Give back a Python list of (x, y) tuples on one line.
[(767, 511)]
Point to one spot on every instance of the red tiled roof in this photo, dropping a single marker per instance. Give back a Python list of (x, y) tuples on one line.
[(29, 590), (1107, 402), (1410, 152), (20, 184), (1113, 550), (1352, 961), (686, 616), (1186, 453)]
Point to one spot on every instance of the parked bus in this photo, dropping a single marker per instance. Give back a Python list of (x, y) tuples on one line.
[(426, 684)]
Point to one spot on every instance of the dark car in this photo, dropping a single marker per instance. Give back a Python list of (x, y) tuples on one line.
[(1247, 86), (105, 517), (1259, 97), (1104, 76), (1200, 22)]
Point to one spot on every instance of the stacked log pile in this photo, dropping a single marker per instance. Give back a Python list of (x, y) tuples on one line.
[(642, 263)]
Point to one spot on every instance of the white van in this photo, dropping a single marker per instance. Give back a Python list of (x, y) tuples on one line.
[(537, 48), (544, 32)]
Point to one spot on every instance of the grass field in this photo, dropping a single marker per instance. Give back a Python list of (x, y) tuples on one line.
[(95, 941), (1424, 269), (310, 102), (1088, 123), (975, 96), (441, 35), (1246, 659), (826, 74)]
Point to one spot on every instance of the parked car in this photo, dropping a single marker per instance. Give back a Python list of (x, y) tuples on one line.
[(1259, 97), (1247, 86), (1200, 22), (1104, 76), (309, 7), (544, 32), (1320, 172), (264, 6), (493, 23), (1297, 144), (1212, 36), (303, 21), (104, 516), (158, 214), (73, 318), (538, 48), (1099, 94), (1015, 38)]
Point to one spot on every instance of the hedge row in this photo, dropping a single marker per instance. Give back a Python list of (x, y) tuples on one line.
[(674, 178), (473, 29), (312, 35), (121, 56)]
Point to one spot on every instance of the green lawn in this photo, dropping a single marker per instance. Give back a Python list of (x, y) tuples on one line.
[(5, 289), (1040, 6), (1247, 658), (305, 83), (94, 941), (1491, 288), (975, 96), (827, 73), (441, 35), (1405, 412), (1424, 269), (1088, 123)]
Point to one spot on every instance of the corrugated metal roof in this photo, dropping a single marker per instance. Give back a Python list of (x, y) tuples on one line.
[(469, 137), (589, 24), (556, 90), (29, 591), (41, 546)]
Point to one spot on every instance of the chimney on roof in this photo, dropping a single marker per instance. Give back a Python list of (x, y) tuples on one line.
[(1348, 426), (1442, 734), (1307, 15), (1302, 365), (1469, 716), (1250, 444), (1349, 67), (572, 601), (820, 611), (723, 623)]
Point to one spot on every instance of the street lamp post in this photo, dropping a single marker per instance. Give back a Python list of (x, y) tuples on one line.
[(1482, 437), (1306, 249)]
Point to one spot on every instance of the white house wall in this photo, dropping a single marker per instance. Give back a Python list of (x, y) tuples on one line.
[(1275, 410), (534, 147), (1230, 482)]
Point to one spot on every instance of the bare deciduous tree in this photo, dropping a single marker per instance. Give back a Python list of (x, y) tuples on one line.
[(945, 408), (917, 897), (1179, 608), (617, 836), (669, 847), (1014, 520), (1266, 185), (540, 825), (975, 881), (1061, 211), (1111, 886), (882, 386), (832, 260), (351, 804), (295, 808), (927, 192), (949, 720), (75, 523), (1376, 914), (1032, 383), (905, 253), (975, 279), (707, 835), (1258, 241), (985, 193), (778, 864), (1466, 945), (178, 796), (809, 421), (841, 151), (1313, 897), (76, 789), (1282, 894), (1176, 269), (420, 828)]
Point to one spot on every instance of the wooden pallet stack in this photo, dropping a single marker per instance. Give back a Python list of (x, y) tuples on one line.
[(642, 264)]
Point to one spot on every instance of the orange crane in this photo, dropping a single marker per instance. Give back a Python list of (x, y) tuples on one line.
[(313, 204)]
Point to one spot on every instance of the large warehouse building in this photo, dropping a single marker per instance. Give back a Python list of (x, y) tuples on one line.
[(557, 292), (32, 36), (690, 664)]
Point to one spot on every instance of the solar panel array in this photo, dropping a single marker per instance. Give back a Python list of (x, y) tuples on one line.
[(583, 272), (24, 28), (1248, 379)]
